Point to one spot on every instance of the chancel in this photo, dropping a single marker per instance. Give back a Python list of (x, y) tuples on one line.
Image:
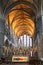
[(21, 31)]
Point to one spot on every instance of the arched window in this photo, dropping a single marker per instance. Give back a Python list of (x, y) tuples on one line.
[(25, 41)]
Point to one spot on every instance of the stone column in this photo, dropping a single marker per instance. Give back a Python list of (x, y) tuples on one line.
[(2, 26)]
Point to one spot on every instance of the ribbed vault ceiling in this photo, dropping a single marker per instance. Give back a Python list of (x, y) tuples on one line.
[(21, 22), (21, 15)]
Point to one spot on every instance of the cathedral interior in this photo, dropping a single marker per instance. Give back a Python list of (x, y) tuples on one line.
[(21, 29)]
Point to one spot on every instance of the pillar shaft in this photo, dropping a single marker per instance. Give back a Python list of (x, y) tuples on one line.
[(2, 26)]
